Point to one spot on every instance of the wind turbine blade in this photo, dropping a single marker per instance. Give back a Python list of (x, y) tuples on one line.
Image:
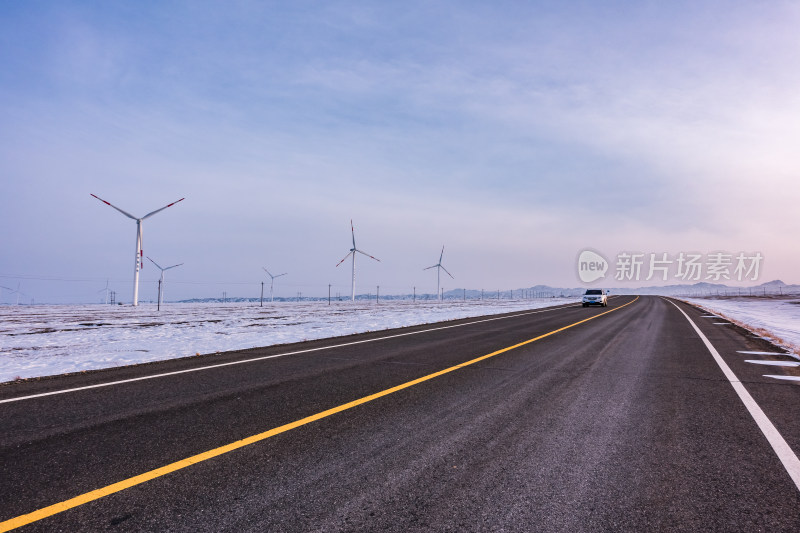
[(156, 264), (364, 253), (267, 271), (173, 266), (448, 273), (279, 275), (159, 210), (345, 257), (441, 255), (115, 207), (430, 267), (353, 232)]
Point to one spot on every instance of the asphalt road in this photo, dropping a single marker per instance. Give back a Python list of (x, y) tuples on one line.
[(624, 422)]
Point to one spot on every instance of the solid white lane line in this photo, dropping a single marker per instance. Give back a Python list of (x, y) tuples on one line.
[(263, 358), (787, 378), (776, 440), (772, 363)]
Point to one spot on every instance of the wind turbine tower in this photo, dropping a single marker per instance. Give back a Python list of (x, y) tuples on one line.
[(106, 289), (438, 266), (161, 279), (352, 252), (271, 282), (139, 251), (18, 292)]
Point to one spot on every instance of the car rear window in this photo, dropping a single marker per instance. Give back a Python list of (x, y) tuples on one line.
[(594, 291)]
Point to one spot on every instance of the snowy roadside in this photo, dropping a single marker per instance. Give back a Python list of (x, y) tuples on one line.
[(45, 340), (775, 319)]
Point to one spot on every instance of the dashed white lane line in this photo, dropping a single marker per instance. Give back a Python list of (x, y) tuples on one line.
[(787, 354), (776, 440), (762, 353), (772, 363), (722, 323)]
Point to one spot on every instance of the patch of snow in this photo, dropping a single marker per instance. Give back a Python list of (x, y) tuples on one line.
[(777, 320), (44, 340)]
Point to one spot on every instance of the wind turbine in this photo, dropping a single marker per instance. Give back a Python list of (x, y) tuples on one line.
[(438, 266), (17, 292), (271, 282), (106, 289), (161, 280), (139, 252), (352, 252)]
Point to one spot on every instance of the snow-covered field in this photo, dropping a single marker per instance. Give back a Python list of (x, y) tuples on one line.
[(774, 318), (45, 340)]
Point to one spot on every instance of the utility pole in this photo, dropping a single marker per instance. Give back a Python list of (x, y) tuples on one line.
[(262, 294)]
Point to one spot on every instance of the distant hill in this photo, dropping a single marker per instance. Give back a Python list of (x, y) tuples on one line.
[(774, 287), (700, 288)]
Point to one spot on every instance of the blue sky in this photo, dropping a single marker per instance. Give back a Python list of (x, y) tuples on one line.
[(516, 134)]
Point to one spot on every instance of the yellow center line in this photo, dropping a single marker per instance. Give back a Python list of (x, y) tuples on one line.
[(96, 494)]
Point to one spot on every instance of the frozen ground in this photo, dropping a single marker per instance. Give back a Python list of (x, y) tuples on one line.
[(777, 319), (44, 340)]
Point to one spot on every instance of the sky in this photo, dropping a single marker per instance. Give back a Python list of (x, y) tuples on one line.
[(514, 134)]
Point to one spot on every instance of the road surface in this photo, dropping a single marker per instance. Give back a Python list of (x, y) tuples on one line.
[(562, 419)]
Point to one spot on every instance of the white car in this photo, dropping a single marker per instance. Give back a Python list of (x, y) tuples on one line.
[(595, 297)]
